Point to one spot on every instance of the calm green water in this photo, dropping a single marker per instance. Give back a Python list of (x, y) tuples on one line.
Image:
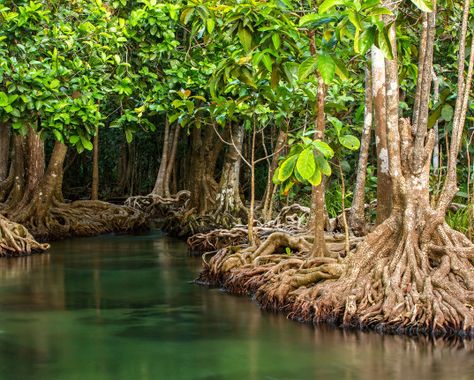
[(122, 308)]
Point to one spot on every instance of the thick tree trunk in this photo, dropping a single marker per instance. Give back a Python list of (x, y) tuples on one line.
[(357, 216), (95, 167), (384, 191), (201, 183), (4, 151), (229, 207)]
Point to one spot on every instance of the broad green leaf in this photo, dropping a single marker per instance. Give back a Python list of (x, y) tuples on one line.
[(306, 164), (54, 84), (307, 67), (275, 179), (324, 148), (323, 165), (307, 19), (447, 112), (267, 61), (316, 178), (186, 15), (210, 24), (350, 142), (328, 4), (366, 40), (86, 144), (288, 187), (3, 99), (383, 43), (326, 67), (286, 168), (245, 37), (423, 5)]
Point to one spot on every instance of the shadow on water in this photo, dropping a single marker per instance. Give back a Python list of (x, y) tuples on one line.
[(123, 307)]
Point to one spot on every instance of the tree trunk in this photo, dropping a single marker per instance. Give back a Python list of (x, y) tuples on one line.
[(269, 190), (95, 167), (229, 208), (4, 150), (317, 197), (384, 192), (159, 188), (201, 182), (357, 217)]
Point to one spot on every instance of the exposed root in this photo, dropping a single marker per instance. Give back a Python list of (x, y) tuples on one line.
[(15, 240), (400, 279), (84, 218), (158, 206)]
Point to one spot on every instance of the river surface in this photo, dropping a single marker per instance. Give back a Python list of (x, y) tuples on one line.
[(123, 308)]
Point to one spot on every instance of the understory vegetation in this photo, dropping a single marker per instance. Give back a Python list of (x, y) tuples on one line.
[(317, 153)]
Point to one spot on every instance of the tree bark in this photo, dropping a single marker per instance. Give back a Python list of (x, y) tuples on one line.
[(95, 167), (384, 192), (159, 188), (317, 196), (357, 216), (4, 150), (228, 201)]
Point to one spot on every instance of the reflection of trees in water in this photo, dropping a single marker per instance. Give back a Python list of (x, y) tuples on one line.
[(32, 283)]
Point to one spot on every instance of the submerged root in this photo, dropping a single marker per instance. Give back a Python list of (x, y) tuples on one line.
[(15, 240)]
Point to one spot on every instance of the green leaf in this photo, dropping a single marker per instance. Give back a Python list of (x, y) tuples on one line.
[(86, 144), (275, 179), (316, 178), (326, 67), (276, 40), (210, 24), (267, 61), (128, 135), (307, 19), (366, 40), (186, 15), (323, 165), (3, 99), (286, 168), (423, 5), (350, 142), (447, 112), (324, 148), (54, 84), (307, 67), (306, 164), (383, 43), (245, 38), (328, 4)]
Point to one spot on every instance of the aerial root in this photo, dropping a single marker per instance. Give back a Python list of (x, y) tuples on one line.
[(15, 240)]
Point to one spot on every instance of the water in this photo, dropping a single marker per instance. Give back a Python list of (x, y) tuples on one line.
[(122, 308)]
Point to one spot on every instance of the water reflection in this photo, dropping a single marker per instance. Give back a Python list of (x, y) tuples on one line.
[(120, 307)]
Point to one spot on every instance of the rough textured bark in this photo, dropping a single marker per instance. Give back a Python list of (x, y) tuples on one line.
[(357, 215), (228, 201), (205, 149), (95, 167), (384, 192)]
